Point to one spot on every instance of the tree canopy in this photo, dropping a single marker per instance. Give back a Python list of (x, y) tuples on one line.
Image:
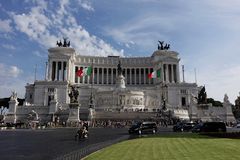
[(4, 102), (214, 103)]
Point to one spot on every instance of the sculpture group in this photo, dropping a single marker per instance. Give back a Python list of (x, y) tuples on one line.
[(202, 96), (73, 94), (161, 46), (64, 44), (13, 96)]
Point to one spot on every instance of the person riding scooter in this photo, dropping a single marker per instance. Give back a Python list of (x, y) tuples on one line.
[(81, 133)]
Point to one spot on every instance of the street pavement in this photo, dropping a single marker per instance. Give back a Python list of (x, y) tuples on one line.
[(50, 143), (26, 144)]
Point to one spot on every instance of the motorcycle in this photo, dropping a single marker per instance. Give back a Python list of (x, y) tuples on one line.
[(81, 134)]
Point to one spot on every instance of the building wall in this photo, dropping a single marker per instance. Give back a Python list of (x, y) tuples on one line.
[(140, 93), (64, 63), (135, 71)]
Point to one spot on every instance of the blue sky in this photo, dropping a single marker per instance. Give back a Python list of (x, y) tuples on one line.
[(206, 34)]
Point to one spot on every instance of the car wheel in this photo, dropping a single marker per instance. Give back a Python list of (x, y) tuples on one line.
[(153, 131), (139, 132), (181, 129)]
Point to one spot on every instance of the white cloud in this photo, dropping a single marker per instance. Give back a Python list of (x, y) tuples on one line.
[(11, 78), (218, 81), (35, 24), (143, 31), (9, 84), (62, 10), (9, 71), (224, 80), (86, 4), (5, 25), (205, 31), (14, 71), (38, 26), (8, 46), (38, 54)]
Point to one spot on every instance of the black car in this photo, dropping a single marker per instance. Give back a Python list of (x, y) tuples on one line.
[(197, 128), (213, 127), (183, 126), (143, 127)]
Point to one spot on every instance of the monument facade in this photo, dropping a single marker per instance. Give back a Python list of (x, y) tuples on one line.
[(119, 87)]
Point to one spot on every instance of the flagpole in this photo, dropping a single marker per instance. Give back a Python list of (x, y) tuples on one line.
[(183, 73), (92, 77), (195, 75), (91, 96), (35, 73), (90, 116)]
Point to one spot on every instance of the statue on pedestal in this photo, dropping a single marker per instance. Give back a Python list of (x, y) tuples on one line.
[(237, 104), (13, 96), (73, 106), (202, 96), (119, 68), (33, 116), (73, 94), (225, 99)]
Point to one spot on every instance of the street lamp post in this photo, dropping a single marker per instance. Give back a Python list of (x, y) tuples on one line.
[(163, 111), (164, 96), (91, 110)]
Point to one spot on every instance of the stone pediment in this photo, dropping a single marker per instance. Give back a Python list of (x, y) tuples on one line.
[(170, 59), (61, 52), (165, 53), (166, 59), (166, 56)]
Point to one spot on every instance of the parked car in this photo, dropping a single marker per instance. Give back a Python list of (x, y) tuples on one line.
[(234, 129), (197, 128), (238, 125), (213, 127), (183, 126), (143, 127)]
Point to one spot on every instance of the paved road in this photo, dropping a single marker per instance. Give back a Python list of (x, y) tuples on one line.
[(51, 143)]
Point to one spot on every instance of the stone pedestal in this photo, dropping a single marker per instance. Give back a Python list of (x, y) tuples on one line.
[(229, 117), (53, 107), (91, 114), (91, 117), (11, 115), (13, 106), (120, 82), (193, 108), (193, 112), (73, 113)]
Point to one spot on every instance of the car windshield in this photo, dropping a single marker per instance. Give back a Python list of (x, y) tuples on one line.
[(136, 125), (190, 124), (198, 125), (179, 123)]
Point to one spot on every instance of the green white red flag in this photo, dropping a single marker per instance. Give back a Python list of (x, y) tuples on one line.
[(84, 72), (155, 74)]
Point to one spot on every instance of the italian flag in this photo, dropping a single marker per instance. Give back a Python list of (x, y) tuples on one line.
[(155, 74), (84, 72)]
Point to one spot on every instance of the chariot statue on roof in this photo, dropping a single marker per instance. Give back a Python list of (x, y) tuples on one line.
[(64, 44)]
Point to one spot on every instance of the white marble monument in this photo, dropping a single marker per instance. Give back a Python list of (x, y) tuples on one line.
[(127, 94)]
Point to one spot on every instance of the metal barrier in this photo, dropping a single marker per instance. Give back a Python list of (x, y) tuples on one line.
[(78, 154)]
